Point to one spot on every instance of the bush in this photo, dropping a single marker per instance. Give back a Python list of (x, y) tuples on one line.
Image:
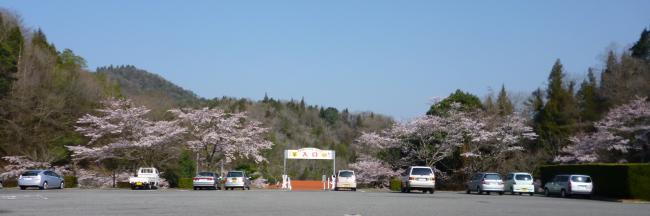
[(395, 185), (185, 183), (611, 180), (10, 183), (70, 181), (123, 185)]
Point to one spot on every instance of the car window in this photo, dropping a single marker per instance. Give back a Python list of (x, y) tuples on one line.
[(509, 177), (346, 174), (146, 171), (235, 174), (492, 177), (30, 173), (524, 177), (206, 174), (421, 171), (586, 179)]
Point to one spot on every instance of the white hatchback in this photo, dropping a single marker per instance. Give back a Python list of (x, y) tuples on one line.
[(346, 179), (519, 182)]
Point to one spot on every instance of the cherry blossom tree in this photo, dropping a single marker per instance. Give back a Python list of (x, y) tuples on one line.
[(624, 131), (121, 131), (217, 135), (372, 171), (19, 164)]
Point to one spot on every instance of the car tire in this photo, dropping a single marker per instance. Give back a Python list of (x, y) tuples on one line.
[(431, 191), (336, 189), (501, 193), (354, 189), (489, 193), (425, 191), (546, 193), (195, 188), (132, 187), (519, 194), (479, 191), (23, 187), (531, 194), (44, 186), (62, 185), (468, 191)]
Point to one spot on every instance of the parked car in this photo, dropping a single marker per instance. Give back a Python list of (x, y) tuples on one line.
[(209, 180), (237, 179), (43, 179), (567, 185), (346, 179), (519, 182), (418, 178), (147, 178), (485, 182)]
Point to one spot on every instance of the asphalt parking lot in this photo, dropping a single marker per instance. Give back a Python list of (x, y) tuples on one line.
[(269, 202)]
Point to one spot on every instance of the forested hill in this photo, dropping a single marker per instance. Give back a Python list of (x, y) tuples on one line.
[(148, 88)]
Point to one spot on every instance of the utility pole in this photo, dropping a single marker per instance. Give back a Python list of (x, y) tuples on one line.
[(197, 163)]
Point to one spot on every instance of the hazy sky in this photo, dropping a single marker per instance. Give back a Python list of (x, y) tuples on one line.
[(390, 57)]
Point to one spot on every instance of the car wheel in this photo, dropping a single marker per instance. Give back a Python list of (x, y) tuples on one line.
[(61, 186), (562, 193), (431, 191), (336, 189), (546, 193), (408, 190), (44, 187), (22, 187), (132, 187), (531, 194), (425, 191), (468, 191), (488, 193), (478, 189), (195, 188), (500, 193), (519, 194), (354, 189)]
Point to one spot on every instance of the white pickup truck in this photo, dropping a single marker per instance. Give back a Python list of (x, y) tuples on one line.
[(147, 178)]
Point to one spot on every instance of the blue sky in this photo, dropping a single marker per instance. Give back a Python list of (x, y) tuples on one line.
[(389, 57)]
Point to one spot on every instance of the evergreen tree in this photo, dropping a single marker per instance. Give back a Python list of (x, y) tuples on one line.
[(641, 48), (588, 99), (10, 52), (555, 120), (504, 105), (466, 100), (489, 105)]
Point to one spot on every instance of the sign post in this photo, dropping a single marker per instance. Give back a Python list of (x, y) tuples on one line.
[(310, 154)]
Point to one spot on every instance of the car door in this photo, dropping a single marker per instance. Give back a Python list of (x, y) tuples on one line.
[(555, 186)]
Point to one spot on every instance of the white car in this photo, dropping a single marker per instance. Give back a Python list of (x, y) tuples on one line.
[(237, 179), (346, 179), (567, 185), (519, 182), (147, 178), (208, 180), (418, 178)]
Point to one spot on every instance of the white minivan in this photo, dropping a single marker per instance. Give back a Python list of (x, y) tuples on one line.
[(419, 178), (346, 179), (519, 182)]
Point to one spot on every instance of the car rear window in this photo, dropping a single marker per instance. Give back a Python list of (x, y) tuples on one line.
[(146, 171), (523, 177), (30, 173), (206, 174), (235, 174), (492, 177), (421, 171), (586, 179), (346, 174)]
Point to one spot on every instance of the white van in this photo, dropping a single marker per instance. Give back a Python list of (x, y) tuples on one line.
[(346, 179), (418, 178), (519, 182)]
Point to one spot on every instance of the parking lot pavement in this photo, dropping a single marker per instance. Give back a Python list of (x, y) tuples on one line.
[(268, 202)]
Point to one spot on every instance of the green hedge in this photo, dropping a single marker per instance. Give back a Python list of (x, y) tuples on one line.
[(185, 183), (70, 181), (395, 185), (123, 185), (9, 183), (611, 180)]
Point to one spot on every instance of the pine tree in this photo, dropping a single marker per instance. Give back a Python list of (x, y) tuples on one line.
[(641, 48), (588, 99), (504, 105), (555, 120), (10, 52)]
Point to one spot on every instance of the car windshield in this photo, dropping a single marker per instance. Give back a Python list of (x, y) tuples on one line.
[(346, 174), (235, 174), (421, 171), (206, 174), (492, 177), (524, 177), (30, 173), (586, 179)]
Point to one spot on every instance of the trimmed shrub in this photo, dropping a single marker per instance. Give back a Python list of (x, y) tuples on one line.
[(70, 181), (185, 183), (123, 185), (395, 185), (10, 183), (611, 180)]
